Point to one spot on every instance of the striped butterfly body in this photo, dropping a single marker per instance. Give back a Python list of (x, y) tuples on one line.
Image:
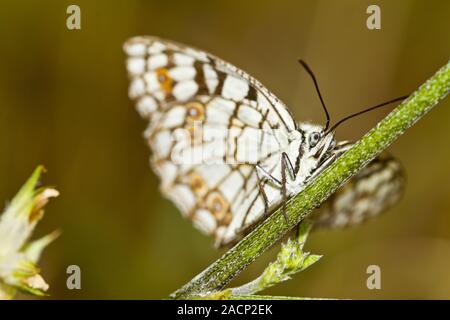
[(228, 152)]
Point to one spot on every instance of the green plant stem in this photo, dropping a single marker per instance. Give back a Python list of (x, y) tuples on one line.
[(222, 271)]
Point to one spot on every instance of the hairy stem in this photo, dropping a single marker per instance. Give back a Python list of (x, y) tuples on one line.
[(222, 271)]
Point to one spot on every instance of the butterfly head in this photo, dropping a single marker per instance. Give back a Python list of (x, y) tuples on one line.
[(318, 145)]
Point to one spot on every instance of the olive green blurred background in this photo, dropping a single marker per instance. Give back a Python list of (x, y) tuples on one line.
[(64, 104)]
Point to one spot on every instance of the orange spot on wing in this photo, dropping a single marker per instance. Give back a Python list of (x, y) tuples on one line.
[(197, 184), (219, 206), (164, 79), (195, 111)]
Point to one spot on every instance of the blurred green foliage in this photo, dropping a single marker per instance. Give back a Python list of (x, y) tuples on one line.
[(63, 97)]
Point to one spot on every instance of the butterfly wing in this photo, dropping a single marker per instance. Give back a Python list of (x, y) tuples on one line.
[(373, 190), (210, 124)]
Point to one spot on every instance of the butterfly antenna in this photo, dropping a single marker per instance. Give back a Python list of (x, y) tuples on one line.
[(364, 111), (304, 65)]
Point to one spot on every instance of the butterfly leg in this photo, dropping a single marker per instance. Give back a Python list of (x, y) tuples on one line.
[(340, 149), (261, 190), (267, 176), (323, 166), (263, 176), (286, 165)]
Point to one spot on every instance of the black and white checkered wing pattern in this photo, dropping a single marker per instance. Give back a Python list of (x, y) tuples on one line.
[(372, 191), (209, 125)]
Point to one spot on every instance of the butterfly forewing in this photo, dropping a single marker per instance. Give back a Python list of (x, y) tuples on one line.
[(209, 125)]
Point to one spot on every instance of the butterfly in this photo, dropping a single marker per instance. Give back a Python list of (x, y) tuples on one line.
[(229, 152)]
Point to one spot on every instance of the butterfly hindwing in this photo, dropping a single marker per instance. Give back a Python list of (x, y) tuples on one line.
[(370, 192)]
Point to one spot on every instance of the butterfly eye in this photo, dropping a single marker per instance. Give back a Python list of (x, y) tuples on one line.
[(314, 139)]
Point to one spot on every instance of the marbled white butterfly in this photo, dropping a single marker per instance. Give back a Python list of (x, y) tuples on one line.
[(228, 151)]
